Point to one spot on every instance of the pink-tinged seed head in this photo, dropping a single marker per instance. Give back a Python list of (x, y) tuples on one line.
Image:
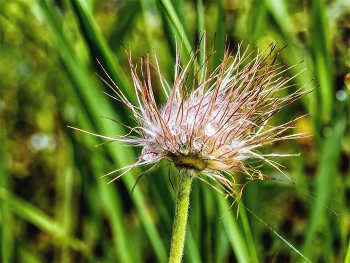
[(213, 123)]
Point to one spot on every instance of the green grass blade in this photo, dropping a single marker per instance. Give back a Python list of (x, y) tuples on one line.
[(145, 216), (165, 55), (27, 256), (34, 215), (64, 197), (121, 25), (347, 257), (168, 7), (293, 53), (233, 231), (111, 205), (323, 65), (248, 233), (95, 107), (223, 245), (6, 246), (6, 231), (201, 27), (100, 49), (280, 13), (191, 248), (220, 36), (327, 169)]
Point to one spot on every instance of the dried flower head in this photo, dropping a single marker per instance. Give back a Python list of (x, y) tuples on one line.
[(212, 123)]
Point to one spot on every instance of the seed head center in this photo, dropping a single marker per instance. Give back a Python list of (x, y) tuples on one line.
[(189, 162)]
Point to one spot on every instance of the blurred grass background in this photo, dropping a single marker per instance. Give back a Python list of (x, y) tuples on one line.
[(53, 205)]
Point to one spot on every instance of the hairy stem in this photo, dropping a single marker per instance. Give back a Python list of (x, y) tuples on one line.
[(180, 220)]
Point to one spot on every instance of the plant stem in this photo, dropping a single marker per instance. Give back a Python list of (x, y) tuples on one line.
[(180, 220)]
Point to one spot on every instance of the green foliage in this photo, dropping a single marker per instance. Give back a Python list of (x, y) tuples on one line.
[(53, 205)]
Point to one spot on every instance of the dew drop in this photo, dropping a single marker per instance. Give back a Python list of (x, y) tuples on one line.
[(149, 153), (205, 151), (225, 149), (175, 130), (228, 147), (183, 149), (327, 131), (169, 145), (198, 143), (341, 95), (183, 136), (211, 128), (206, 99), (235, 144), (195, 100), (191, 116)]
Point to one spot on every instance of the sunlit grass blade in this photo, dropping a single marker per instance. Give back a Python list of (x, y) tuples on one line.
[(256, 16), (27, 256), (347, 257), (280, 13)]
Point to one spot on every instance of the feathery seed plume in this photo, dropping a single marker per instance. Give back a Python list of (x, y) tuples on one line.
[(212, 123)]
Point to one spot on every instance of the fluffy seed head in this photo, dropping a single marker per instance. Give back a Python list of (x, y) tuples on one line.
[(212, 123)]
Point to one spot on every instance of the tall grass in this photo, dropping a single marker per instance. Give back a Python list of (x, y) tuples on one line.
[(54, 206)]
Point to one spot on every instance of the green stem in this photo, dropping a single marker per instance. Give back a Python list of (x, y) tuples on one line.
[(180, 220)]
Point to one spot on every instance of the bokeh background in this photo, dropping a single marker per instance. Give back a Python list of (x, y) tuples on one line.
[(53, 205)]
